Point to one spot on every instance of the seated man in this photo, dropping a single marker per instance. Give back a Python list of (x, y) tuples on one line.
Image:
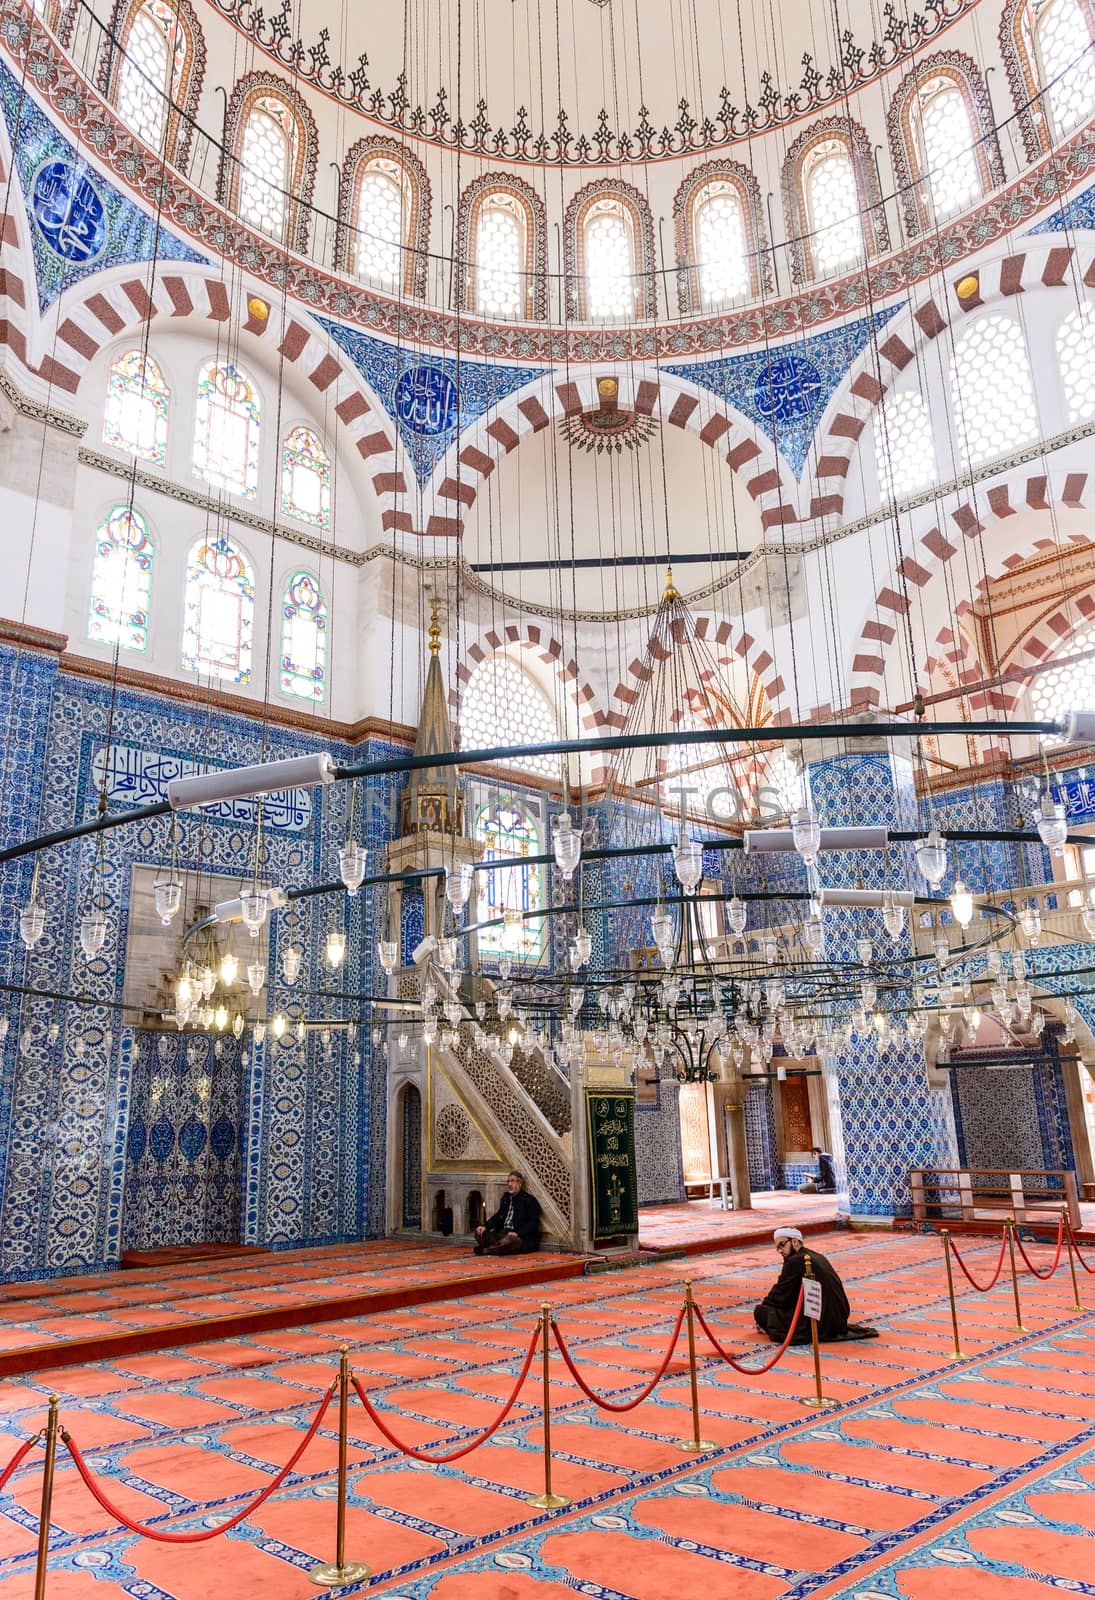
[(773, 1315), (825, 1182), (515, 1226)]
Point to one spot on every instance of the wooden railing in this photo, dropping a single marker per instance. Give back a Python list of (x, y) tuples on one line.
[(985, 1194)]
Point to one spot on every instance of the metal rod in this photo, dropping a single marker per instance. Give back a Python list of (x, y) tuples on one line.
[(1066, 1227), (341, 1572), (47, 1500), (695, 1444), (548, 1501), (957, 1351), (1009, 1227), (818, 1400), (707, 558)]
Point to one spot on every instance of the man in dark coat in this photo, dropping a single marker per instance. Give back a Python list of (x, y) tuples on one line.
[(825, 1182), (773, 1315), (515, 1226)]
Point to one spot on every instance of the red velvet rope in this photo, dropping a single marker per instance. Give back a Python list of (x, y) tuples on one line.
[(1057, 1254), (18, 1458), (1076, 1247), (610, 1405), (982, 1288), (754, 1372), (473, 1444), (199, 1535)]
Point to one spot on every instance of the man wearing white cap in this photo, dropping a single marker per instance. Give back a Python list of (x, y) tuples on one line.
[(773, 1315)]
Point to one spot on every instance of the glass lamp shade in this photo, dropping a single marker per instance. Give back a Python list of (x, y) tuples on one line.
[(388, 953), (583, 943), (505, 968), (770, 950), (336, 948), (254, 904), (661, 925), (737, 915), (458, 885), (32, 923), (806, 833), (813, 933), (167, 894), (1087, 917), (1052, 827), (566, 843), (429, 1030), (259, 1032), (230, 968), (1037, 1023), (92, 933), (868, 994), (446, 953), (688, 863), (220, 1017), (893, 915), (941, 948), (277, 1027), (931, 857), (184, 993), (864, 949), (290, 963), (237, 1025), (962, 904), (256, 976), (1030, 920), (351, 865), (301, 1031), (207, 982), (575, 999)]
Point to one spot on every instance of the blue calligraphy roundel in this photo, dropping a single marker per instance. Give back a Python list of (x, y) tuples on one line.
[(425, 400), (69, 211), (788, 389)]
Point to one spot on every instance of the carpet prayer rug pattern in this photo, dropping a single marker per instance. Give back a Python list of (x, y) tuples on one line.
[(932, 1478)]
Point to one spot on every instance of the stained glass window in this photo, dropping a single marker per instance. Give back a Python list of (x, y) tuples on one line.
[(1076, 358), (991, 389), (382, 203), (1068, 63), (903, 445), (218, 611), (226, 429), (306, 478), (832, 206), (303, 639), (121, 581), (155, 51), (1059, 690), (266, 163), (509, 833), (721, 245), (609, 262), (136, 409), (502, 705), (499, 256), (949, 163)]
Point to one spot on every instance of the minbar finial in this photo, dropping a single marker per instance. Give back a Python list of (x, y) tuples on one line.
[(670, 587), (435, 629)]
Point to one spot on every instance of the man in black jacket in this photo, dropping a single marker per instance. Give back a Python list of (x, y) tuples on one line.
[(773, 1315), (825, 1182), (515, 1226)]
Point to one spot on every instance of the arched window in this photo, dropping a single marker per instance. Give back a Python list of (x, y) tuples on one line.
[(509, 834), (121, 581), (306, 478), (303, 639), (942, 140), (268, 166), (1047, 47), (137, 404), (502, 705), (1058, 690), (991, 391), (832, 199), (218, 611), (384, 217), (721, 244), (903, 445), (1076, 359), (610, 254), (226, 429), (502, 240), (157, 72)]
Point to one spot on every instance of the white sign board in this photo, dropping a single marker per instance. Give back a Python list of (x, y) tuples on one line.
[(811, 1298)]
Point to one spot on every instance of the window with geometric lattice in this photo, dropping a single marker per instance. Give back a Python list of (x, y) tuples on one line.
[(609, 257), (832, 207), (722, 247), (306, 478), (137, 406), (121, 581), (948, 160), (1076, 360), (1057, 690), (502, 705), (267, 154), (383, 206), (1066, 60), (991, 391), (227, 420), (218, 611), (150, 69), (500, 286), (903, 444)]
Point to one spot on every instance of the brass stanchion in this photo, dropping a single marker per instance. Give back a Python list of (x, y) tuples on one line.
[(1009, 1226), (47, 1500), (547, 1501), (334, 1575), (695, 1445), (957, 1351), (1066, 1228), (817, 1399)]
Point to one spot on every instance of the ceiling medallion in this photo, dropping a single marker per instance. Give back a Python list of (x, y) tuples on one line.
[(596, 431)]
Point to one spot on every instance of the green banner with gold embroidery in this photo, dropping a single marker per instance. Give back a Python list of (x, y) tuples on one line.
[(610, 1130)]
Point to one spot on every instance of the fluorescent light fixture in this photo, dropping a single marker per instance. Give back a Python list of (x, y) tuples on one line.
[(770, 841), (240, 783), (870, 899)]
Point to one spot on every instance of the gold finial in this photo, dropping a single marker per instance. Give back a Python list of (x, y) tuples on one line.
[(670, 587), (435, 629)]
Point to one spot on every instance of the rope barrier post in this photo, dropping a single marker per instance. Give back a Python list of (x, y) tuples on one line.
[(336, 1574), (812, 1304), (1066, 1228), (47, 1499), (695, 1445), (957, 1351), (547, 1501), (1009, 1228)]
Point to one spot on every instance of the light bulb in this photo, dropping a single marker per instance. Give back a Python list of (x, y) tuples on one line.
[(931, 857), (237, 1025), (1052, 826), (893, 914), (230, 968), (388, 952), (184, 993), (336, 948), (278, 1025), (688, 862), (256, 976), (92, 933), (254, 904), (737, 915), (259, 1032), (583, 944), (32, 923), (167, 894), (806, 833), (566, 843), (301, 1031), (351, 866), (220, 1017), (1030, 920), (962, 904), (208, 982), (458, 885)]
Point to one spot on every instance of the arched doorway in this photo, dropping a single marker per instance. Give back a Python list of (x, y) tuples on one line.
[(411, 1138)]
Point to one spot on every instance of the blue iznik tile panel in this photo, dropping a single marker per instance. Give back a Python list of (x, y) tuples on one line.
[(78, 222), (658, 1163), (430, 398), (760, 1135), (784, 391), (1079, 212)]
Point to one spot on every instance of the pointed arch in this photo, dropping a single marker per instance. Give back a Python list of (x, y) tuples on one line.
[(1026, 59), (509, 209), (734, 190), (163, 86), (267, 123), (839, 148), (936, 103), (621, 212), (378, 168)]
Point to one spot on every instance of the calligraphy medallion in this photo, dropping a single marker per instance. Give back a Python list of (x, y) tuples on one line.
[(425, 400), (69, 211)]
